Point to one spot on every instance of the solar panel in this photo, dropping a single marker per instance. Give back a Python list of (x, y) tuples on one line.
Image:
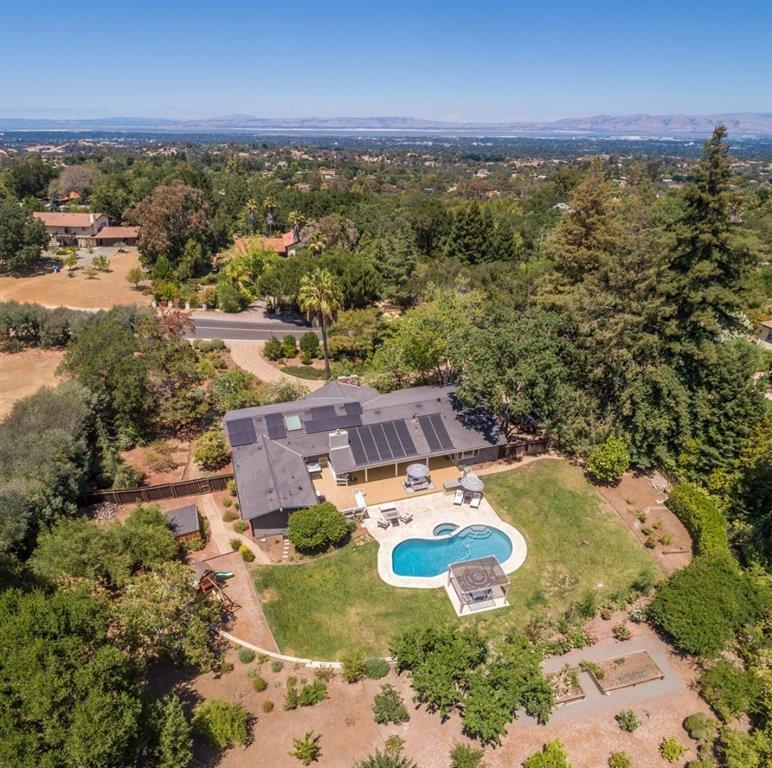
[(241, 432), (405, 439), (429, 433), (352, 409), (275, 424), (323, 412), (442, 434), (391, 435), (356, 447), (368, 444), (381, 442), (331, 423)]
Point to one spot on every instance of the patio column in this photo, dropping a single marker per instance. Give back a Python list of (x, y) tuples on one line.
[(365, 474), (396, 466)]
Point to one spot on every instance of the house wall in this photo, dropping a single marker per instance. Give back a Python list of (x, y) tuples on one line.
[(270, 524)]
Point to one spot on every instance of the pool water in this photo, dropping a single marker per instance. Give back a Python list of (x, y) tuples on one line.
[(443, 529), (431, 557)]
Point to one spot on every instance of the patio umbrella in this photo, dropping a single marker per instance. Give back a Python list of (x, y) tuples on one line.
[(471, 482), (418, 471)]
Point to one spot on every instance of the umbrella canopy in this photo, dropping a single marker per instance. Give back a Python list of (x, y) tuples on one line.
[(418, 470), (472, 483)]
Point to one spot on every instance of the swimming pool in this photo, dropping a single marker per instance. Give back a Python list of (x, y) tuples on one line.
[(431, 557), (443, 529)]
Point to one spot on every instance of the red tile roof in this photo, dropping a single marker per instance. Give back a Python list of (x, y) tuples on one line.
[(61, 219)]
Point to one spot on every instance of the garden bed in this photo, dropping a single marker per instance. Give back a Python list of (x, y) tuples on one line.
[(566, 684), (625, 671), (303, 371)]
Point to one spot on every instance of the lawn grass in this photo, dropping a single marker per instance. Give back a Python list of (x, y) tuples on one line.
[(303, 371), (575, 541)]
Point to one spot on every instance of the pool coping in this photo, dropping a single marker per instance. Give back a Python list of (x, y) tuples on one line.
[(429, 511)]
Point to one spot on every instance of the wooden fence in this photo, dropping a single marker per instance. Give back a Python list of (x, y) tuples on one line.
[(197, 487)]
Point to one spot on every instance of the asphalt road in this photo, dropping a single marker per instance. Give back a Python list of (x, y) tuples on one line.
[(245, 329)]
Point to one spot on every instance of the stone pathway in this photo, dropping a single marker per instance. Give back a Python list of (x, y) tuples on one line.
[(221, 535), (248, 355)]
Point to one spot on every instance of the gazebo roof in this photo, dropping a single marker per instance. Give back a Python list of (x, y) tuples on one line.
[(476, 575)]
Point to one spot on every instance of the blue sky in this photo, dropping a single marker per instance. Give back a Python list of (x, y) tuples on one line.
[(493, 61)]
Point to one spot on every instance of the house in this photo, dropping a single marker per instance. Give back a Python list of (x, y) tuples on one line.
[(111, 236), (282, 244), (352, 430), (72, 228), (184, 522)]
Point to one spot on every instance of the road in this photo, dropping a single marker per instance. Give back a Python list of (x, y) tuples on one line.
[(245, 328)]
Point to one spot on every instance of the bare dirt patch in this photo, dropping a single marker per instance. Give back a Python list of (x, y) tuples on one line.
[(23, 373), (162, 461), (75, 289)]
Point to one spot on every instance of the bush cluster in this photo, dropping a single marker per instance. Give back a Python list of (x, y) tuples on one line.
[(388, 706), (317, 528), (608, 462), (698, 511), (221, 723), (30, 325)]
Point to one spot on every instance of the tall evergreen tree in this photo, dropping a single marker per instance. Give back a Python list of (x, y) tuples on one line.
[(468, 240), (175, 744)]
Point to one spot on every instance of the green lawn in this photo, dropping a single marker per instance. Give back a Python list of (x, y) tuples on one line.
[(575, 541), (303, 371)]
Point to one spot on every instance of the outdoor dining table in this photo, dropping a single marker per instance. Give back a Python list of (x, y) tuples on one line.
[(391, 515)]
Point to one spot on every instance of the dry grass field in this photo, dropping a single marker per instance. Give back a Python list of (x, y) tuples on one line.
[(23, 373)]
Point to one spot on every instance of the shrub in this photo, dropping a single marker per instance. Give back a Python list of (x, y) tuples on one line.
[(608, 462), (464, 756), (375, 669), (316, 528), (221, 723), (246, 655), (272, 348), (247, 555), (324, 673), (227, 501), (671, 750), (742, 750), (730, 690), (307, 749), (289, 347), (619, 760), (592, 668), (698, 511), (267, 706), (277, 666), (388, 706), (230, 486), (553, 755), (621, 632), (700, 727), (312, 693), (627, 720), (211, 451), (353, 667), (240, 526), (230, 515), (229, 299), (309, 346), (258, 683), (225, 667), (235, 544), (702, 606), (291, 695)]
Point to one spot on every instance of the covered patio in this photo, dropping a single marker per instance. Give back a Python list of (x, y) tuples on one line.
[(477, 585)]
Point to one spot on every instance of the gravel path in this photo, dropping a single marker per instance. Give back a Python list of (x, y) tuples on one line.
[(249, 356)]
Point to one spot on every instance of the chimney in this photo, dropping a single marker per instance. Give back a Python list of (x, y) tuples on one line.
[(338, 439), (91, 218)]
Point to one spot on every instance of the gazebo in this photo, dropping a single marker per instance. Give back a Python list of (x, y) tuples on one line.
[(477, 585)]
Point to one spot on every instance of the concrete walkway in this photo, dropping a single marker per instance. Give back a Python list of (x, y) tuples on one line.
[(221, 536), (249, 356)]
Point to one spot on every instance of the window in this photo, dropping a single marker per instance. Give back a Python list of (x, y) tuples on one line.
[(469, 454), (292, 422)]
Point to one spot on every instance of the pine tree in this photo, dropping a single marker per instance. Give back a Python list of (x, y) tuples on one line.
[(710, 263), (175, 745), (468, 240)]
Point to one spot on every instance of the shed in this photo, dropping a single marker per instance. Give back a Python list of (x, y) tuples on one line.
[(184, 521)]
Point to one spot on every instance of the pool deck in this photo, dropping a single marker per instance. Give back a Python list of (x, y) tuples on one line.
[(429, 511)]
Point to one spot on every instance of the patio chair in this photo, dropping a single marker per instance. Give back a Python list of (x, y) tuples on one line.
[(383, 523), (458, 499), (405, 517), (476, 499)]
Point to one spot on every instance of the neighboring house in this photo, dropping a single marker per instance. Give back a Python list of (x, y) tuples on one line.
[(353, 429), (765, 337), (110, 236), (184, 522), (282, 244), (72, 228)]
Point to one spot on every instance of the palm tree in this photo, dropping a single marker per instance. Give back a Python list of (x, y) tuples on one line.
[(317, 242), (320, 297), (251, 208), (296, 221), (270, 208)]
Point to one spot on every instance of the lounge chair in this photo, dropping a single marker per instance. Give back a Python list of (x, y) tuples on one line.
[(476, 499), (458, 499), (405, 517), (383, 523)]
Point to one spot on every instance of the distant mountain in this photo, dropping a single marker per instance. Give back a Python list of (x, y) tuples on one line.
[(739, 124)]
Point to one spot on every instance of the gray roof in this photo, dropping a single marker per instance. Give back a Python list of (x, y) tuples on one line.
[(379, 429), (271, 477), (183, 520)]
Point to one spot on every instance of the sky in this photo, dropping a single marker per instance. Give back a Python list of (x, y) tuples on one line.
[(459, 61)]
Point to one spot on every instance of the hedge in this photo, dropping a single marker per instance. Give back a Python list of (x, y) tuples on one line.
[(698, 511)]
